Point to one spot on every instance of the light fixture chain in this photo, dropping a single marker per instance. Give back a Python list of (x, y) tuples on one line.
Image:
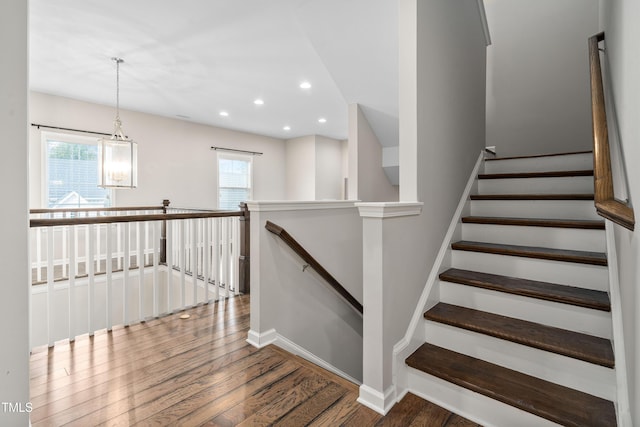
[(118, 88), (117, 132)]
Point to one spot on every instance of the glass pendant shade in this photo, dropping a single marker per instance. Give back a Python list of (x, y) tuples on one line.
[(117, 163), (118, 155)]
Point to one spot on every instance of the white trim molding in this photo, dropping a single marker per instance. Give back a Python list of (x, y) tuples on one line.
[(389, 209), (263, 339), (379, 402), (485, 23), (413, 339), (266, 338), (298, 205), (622, 407)]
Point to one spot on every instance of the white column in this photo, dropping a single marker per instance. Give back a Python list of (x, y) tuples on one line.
[(378, 391)]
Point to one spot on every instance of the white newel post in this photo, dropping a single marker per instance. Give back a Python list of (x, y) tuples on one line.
[(378, 391)]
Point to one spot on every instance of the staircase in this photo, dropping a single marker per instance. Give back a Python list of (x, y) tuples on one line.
[(521, 333)]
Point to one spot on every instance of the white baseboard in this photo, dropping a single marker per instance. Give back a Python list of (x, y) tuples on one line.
[(379, 402), (263, 339)]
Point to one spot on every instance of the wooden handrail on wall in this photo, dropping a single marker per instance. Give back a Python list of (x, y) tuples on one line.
[(311, 261), (606, 205)]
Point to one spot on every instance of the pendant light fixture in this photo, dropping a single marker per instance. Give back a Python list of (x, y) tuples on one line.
[(117, 155)]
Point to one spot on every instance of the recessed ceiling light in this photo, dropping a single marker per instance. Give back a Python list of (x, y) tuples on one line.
[(286, 128), (258, 102), (305, 85), (322, 120), (224, 113)]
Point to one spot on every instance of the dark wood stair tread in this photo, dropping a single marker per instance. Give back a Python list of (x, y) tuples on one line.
[(556, 340), (551, 401), (587, 298), (536, 156), (536, 222), (549, 174), (532, 197), (583, 257)]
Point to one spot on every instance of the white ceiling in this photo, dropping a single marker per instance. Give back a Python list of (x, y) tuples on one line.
[(195, 58)]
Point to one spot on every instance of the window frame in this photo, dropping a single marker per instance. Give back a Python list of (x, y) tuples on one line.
[(45, 137), (233, 156)]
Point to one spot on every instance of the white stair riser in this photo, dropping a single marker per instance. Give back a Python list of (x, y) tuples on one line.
[(565, 185), (550, 209), (474, 406), (541, 164), (549, 237), (559, 315), (560, 272), (586, 377)]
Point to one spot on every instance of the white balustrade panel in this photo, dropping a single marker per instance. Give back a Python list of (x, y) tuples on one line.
[(86, 278)]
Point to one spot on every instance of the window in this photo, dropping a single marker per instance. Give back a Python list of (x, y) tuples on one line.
[(71, 173), (234, 180)]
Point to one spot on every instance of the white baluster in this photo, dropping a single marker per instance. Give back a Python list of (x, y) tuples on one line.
[(155, 238), (38, 231), (109, 269), (99, 247), (170, 241), (206, 257), (141, 262), (216, 258), (64, 259), (225, 256), (91, 292), (235, 259), (119, 245), (73, 240), (125, 274), (50, 256), (194, 259), (182, 263)]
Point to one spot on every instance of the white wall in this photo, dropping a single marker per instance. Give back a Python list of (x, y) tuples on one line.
[(367, 180), (620, 20), (314, 168), (299, 305), (450, 114), (301, 168), (538, 75), (329, 174), (14, 307), (175, 161)]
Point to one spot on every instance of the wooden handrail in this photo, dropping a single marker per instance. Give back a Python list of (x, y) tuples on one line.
[(51, 222), (311, 261), (111, 209), (606, 204)]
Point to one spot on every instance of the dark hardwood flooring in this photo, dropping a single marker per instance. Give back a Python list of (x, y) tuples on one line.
[(200, 371)]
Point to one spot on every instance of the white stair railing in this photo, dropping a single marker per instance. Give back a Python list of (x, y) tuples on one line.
[(92, 271)]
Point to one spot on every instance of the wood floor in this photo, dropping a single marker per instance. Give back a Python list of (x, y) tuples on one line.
[(200, 371)]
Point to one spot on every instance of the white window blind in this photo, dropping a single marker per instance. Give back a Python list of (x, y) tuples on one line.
[(72, 173), (234, 180)]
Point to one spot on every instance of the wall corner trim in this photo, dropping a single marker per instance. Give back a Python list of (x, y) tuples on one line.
[(263, 339), (379, 402), (389, 209), (485, 23)]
